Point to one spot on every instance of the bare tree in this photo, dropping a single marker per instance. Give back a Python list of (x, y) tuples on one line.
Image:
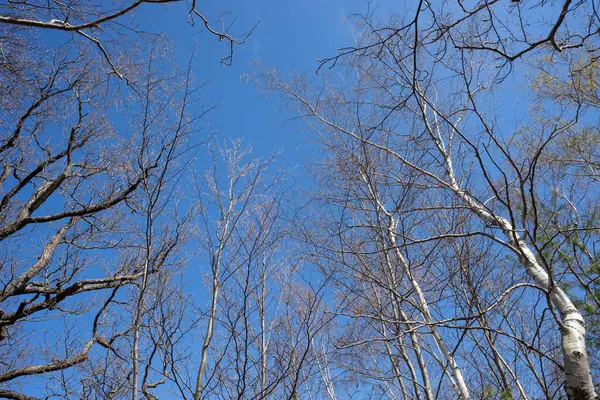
[(447, 251), (413, 124), (238, 232), (72, 198), (90, 221)]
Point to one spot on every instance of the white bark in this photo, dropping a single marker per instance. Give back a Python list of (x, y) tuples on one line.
[(209, 334), (578, 378), (400, 315), (459, 383), (400, 341)]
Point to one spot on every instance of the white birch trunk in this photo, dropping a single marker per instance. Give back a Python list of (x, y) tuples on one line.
[(578, 378), (459, 383), (207, 338)]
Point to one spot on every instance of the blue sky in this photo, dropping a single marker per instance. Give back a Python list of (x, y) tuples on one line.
[(289, 37)]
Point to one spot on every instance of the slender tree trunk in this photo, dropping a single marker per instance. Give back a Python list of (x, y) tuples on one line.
[(459, 383), (578, 378), (401, 347), (324, 372), (263, 337), (400, 315), (139, 309), (208, 336), (422, 365)]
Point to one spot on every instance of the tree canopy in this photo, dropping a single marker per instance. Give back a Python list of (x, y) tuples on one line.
[(438, 241)]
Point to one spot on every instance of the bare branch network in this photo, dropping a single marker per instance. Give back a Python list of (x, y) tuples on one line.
[(443, 242)]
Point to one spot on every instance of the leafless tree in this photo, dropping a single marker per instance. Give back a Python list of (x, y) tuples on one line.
[(425, 161), (260, 322), (75, 188), (447, 250), (232, 201)]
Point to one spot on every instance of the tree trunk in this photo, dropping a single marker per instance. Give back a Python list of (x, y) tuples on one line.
[(578, 378)]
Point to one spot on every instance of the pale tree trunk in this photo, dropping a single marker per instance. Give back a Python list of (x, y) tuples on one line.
[(234, 202), (324, 371), (139, 309), (216, 284), (420, 359), (401, 346), (136, 337), (400, 315), (578, 378), (399, 378), (459, 383), (263, 335), (209, 330)]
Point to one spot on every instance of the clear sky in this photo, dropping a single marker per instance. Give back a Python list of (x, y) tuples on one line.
[(290, 36)]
